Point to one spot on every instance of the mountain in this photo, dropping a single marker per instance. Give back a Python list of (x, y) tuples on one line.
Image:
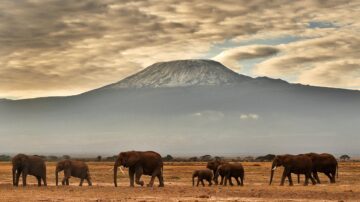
[(186, 107), (181, 73)]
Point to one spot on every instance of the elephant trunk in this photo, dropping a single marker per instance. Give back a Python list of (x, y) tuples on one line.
[(216, 176), (273, 167), (116, 165), (13, 175), (193, 179), (56, 177)]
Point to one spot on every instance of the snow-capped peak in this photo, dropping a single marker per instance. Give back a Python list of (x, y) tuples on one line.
[(181, 73)]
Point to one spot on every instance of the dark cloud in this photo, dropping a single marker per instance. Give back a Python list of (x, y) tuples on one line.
[(90, 43)]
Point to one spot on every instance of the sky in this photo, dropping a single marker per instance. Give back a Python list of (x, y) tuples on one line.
[(66, 47)]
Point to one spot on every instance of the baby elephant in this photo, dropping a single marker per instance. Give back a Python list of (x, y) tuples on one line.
[(201, 176), (72, 168)]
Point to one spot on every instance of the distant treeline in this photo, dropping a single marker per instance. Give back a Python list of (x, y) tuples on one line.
[(169, 158)]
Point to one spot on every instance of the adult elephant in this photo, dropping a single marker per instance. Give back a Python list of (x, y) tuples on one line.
[(214, 165), (228, 170), (139, 163), (323, 163), (72, 168), (297, 164), (28, 165)]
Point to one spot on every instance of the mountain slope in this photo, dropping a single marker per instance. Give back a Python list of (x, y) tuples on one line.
[(187, 115), (182, 73)]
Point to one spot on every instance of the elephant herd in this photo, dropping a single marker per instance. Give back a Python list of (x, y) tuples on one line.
[(150, 163)]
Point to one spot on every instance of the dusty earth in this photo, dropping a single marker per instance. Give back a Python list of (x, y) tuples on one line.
[(178, 186)]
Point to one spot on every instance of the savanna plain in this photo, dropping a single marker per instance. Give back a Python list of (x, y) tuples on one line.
[(178, 186)]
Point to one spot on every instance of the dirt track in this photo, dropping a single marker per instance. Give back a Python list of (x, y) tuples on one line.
[(178, 186)]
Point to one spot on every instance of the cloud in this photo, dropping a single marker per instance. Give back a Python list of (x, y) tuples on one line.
[(209, 115), (249, 116), (77, 46), (231, 57), (331, 61)]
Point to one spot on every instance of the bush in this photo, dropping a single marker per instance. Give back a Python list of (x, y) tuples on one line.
[(5, 158)]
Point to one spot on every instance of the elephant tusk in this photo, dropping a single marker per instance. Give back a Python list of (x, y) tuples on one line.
[(122, 171), (274, 168), (111, 169)]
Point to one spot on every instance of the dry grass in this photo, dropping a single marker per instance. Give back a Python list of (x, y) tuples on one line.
[(178, 186)]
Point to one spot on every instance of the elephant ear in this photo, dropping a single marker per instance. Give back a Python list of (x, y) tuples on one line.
[(132, 159)]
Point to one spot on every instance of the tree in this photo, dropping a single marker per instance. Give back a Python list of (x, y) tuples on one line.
[(193, 159), (344, 157), (268, 157), (66, 157), (98, 158), (205, 158), (52, 158), (168, 158)]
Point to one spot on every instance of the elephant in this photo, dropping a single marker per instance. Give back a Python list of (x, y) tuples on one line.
[(228, 170), (140, 162), (214, 165), (72, 168), (298, 164), (324, 163), (201, 176), (28, 165)]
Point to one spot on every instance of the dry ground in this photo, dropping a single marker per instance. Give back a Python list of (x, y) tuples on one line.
[(178, 186)]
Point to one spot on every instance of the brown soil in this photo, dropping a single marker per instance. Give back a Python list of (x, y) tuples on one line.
[(178, 186)]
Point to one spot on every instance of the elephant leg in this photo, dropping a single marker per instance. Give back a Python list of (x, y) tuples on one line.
[(138, 173), (225, 181), (161, 180), (298, 175), (312, 179), (283, 178), (153, 175), (237, 180), (24, 175), (202, 182), (67, 182), (131, 175), (306, 179), (329, 176), (290, 179), (222, 180), (39, 180), (230, 181), (333, 174), (198, 181), (210, 183), (64, 181), (17, 177), (81, 181), (44, 180), (88, 179), (316, 176), (242, 180)]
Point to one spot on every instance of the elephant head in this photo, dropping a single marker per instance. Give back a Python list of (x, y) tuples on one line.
[(60, 166), (278, 161), (214, 165), (125, 159), (19, 161), (195, 174)]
